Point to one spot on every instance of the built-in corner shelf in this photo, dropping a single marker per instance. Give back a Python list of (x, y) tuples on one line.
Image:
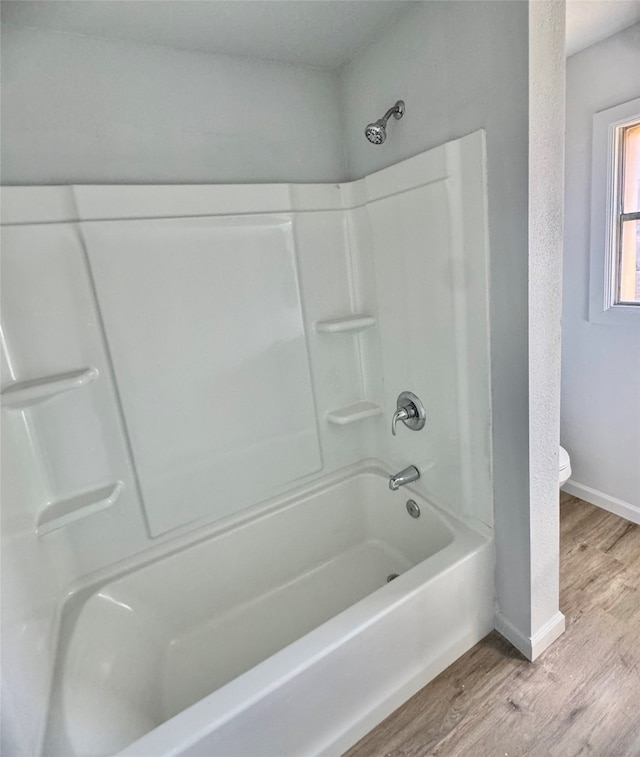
[(347, 323), (354, 413), (21, 394), (67, 511)]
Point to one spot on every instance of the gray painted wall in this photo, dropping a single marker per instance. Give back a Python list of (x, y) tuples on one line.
[(81, 110), (600, 421), (461, 67)]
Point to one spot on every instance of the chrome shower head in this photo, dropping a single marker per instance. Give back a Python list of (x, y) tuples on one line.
[(376, 132)]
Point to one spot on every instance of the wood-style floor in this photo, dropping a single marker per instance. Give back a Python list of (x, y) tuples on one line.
[(582, 695)]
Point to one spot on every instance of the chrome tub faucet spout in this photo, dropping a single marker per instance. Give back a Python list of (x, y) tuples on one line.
[(405, 476)]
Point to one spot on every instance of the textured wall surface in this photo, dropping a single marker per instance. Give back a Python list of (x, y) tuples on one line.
[(82, 110), (600, 425), (546, 176)]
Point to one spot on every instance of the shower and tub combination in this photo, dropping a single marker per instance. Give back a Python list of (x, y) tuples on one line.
[(248, 430)]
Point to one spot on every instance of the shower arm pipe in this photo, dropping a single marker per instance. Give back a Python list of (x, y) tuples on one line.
[(396, 111)]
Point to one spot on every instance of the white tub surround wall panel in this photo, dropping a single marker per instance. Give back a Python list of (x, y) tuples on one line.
[(337, 276), (470, 268), (76, 109), (51, 326), (121, 201), (30, 588), (52, 451), (360, 246), (600, 408), (204, 322), (411, 247), (430, 247), (37, 204), (332, 286)]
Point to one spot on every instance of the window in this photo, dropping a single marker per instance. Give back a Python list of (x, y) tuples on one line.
[(627, 241), (615, 214)]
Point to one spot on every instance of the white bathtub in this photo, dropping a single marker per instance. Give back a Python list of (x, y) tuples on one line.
[(277, 634)]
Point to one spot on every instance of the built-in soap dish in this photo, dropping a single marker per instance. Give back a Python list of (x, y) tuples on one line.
[(344, 324), (22, 394), (354, 413), (66, 511)]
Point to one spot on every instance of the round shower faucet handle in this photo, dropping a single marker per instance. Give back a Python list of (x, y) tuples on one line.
[(409, 410)]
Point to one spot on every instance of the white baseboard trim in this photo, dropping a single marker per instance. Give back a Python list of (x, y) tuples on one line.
[(595, 497), (549, 632), (531, 646)]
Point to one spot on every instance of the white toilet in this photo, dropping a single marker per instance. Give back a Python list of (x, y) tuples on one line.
[(565, 467)]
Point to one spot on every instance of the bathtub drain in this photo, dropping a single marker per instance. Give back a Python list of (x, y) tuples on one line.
[(413, 508), (391, 576)]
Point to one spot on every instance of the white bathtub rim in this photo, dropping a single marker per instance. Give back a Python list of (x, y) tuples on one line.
[(467, 540), (219, 707), (71, 601), (96, 579)]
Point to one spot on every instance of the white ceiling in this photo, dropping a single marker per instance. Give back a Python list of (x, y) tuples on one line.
[(322, 33), (589, 21)]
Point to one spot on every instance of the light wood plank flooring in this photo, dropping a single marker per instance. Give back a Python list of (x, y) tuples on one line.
[(581, 697)]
